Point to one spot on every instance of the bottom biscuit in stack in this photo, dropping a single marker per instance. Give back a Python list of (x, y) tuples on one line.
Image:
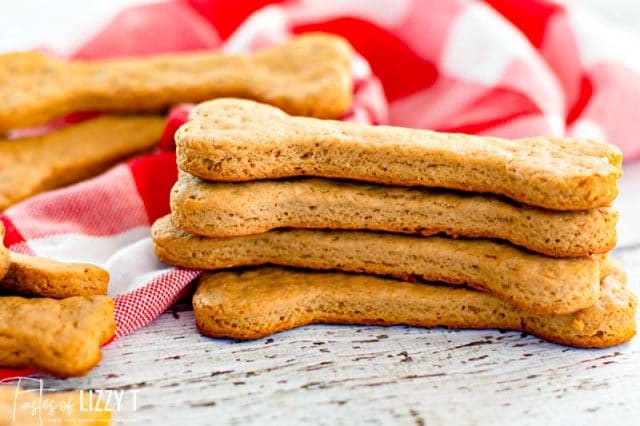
[(250, 304)]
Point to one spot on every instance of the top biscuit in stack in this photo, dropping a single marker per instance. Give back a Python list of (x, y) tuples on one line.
[(230, 140), (535, 214)]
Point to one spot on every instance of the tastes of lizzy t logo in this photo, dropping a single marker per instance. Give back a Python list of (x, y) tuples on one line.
[(25, 401)]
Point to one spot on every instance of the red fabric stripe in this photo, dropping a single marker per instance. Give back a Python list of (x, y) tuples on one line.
[(11, 234), (139, 307), (530, 16), (227, 15), (177, 117), (105, 205), (494, 108), (6, 373), (401, 71), (154, 176), (151, 28), (584, 95)]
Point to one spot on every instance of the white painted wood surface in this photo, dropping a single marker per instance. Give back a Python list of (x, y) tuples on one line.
[(345, 375)]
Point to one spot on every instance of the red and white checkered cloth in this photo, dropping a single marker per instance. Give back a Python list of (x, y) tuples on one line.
[(511, 68)]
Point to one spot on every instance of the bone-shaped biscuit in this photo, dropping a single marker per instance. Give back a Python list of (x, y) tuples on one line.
[(235, 209), (309, 75), (32, 165), (235, 140), (256, 303), (29, 407), (60, 337), (39, 276), (530, 281)]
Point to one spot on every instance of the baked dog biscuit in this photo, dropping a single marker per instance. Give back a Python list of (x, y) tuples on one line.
[(29, 407), (256, 303), (529, 281), (235, 140), (60, 337), (4, 254), (39, 276), (309, 75), (32, 165), (227, 210)]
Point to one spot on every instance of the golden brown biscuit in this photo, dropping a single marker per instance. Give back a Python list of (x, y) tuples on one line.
[(32, 165), (60, 337), (235, 209), (235, 140), (39, 276), (255, 303), (30, 407), (4, 254), (309, 75), (527, 280)]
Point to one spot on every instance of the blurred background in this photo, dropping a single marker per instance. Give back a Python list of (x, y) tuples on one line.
[(29, 23)]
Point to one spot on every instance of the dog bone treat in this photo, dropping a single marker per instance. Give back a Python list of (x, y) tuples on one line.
[(309, 75), (235, 140), (530, 281), (4, 254), (32, 165), (28, 407), (39, 276), (255, 303), (227, 210), (60, 337)]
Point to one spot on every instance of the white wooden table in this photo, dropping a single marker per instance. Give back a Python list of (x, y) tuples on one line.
[(344, 375)]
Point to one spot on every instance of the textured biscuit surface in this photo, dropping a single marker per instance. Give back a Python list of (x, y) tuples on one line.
[(32, 165), (39, 276), (29, 407), (309, 75), (60, 337), (538, 283), (238, 140), (255, 303), (4, 254), (235, 209)]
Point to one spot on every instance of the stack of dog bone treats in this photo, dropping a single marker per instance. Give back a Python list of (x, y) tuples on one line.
[(54, 316), (395, 226)]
